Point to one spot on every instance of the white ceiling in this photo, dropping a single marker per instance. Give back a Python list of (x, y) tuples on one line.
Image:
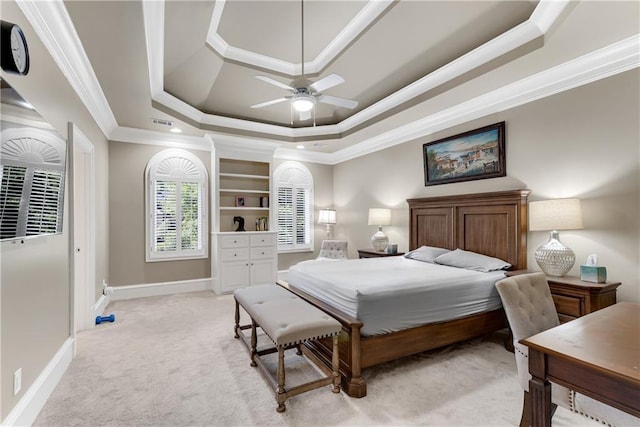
[(195, 63)]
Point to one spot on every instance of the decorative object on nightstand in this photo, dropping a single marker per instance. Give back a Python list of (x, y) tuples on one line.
[(327, 217), (379, 217), (592, 272), (554, 258), (370, 253)]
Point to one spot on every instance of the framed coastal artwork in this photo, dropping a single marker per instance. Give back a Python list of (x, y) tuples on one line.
[(477, 154)]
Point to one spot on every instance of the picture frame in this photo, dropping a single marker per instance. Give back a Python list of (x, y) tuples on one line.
[(240, 202), (476, 154)]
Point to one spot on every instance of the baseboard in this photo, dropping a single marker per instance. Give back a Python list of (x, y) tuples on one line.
[(101, 305), (118, 293), (28, 408)]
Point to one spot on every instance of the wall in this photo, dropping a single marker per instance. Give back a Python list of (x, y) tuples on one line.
[(127, 221), (35, 286), (322, 199), (581, 143)]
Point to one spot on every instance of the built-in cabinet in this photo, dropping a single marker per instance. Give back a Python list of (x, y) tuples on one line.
[(241, 197), (244, 259)]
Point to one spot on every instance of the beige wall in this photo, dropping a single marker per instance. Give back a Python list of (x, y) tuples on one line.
[(323, 198), (35, 288), (582, 143), (127, 265)]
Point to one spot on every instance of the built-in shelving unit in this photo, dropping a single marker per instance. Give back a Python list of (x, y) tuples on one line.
[(242, 188)]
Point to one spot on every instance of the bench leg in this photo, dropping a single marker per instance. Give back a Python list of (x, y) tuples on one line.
[(236, 328), (335, 359), (254, 343), (281, 392), (299, 349)]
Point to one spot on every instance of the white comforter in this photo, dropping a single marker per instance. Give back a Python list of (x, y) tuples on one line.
[(395, 293)]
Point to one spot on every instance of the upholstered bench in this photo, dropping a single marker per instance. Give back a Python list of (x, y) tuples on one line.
[(288, 321)]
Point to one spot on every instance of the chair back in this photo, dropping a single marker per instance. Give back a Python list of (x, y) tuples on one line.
[(529, 307), (333, 249)]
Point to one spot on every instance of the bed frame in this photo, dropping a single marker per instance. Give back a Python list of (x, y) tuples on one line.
[(493, 224)]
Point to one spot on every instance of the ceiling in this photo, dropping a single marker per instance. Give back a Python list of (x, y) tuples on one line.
[(194, 63)]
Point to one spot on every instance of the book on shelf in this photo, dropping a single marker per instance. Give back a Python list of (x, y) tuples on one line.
[(262, 224)]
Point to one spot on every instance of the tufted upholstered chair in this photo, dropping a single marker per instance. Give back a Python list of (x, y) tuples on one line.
[(530, 310), (333, 249)]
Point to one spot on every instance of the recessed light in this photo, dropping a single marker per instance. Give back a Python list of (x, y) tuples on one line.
[(300, 147)]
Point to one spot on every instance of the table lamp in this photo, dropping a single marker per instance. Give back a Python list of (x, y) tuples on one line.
[(327, 217), (554, 258), (379, 217)]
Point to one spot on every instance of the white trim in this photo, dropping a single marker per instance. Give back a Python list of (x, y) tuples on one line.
[(100, 305), (51, 21), (119, 293), (161, 139), (30, 405), (360, 22)]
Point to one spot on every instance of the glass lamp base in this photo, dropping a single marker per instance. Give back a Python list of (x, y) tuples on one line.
[(379, 241), (554, 258)]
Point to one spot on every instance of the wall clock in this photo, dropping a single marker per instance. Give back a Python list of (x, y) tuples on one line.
[(15, 52)]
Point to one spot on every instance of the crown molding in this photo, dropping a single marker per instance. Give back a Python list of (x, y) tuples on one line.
[(610, 60), (545, 14), (148, 137), (51, 22), (363, 19)]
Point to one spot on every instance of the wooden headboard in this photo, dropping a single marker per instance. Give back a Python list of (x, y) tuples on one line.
[(494, 224)]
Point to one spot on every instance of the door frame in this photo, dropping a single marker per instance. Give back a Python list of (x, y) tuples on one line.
[(83, 235)]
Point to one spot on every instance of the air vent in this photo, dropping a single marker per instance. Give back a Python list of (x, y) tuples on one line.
[(162, 122)]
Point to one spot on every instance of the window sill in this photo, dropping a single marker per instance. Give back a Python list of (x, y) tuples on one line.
[(293, 251)]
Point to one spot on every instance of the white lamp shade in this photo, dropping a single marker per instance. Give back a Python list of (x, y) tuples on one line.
[(378, 216), (327, 216), (558, 214), (303, 103)]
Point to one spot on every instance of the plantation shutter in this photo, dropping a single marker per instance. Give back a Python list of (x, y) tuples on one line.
[(45, 212), (294, 190), (11, 189), (177, 227), (285, 216)]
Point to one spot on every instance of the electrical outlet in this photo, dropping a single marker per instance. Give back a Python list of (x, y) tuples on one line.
[(17, 381)]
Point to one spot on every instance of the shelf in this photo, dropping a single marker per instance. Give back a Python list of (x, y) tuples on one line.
[(242, 176), (239, 191), (242, 208)]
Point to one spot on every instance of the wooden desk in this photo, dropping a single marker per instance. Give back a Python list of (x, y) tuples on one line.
[(597, 355)]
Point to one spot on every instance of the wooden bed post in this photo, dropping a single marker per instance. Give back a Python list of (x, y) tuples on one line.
[(355, 384)]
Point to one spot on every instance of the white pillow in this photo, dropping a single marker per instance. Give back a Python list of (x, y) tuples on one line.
[(471, 261), (426, 253)]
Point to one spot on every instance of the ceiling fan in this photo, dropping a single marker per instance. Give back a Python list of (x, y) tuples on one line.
[(304, 96)]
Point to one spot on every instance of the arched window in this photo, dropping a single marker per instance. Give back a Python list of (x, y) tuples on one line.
[(294, 209), (176, 183), (32, 189)]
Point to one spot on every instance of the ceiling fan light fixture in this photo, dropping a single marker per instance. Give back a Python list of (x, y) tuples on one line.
[(303, 102)]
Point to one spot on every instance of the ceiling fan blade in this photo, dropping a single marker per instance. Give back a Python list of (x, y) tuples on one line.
[(328, 82), (267, 103), (275, 82), (340, 102), (305, 115)]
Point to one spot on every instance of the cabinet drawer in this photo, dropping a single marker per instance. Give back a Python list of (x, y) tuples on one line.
[(239, 254), (262, 252), (568, 305), (233, 241), (263, 240)]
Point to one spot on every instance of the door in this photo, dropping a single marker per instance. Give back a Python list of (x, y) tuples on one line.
[(83, 187)]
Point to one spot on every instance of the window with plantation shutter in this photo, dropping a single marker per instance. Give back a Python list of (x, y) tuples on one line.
[(176, 206), (32, 185), (294, 210)]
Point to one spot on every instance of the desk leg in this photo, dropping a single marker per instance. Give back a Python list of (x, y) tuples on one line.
[(539, 390)]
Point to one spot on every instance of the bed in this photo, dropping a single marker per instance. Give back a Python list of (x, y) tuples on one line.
[(494, 224)]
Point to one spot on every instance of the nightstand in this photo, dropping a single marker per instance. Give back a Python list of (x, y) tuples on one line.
[(574, 297), (370, 253)]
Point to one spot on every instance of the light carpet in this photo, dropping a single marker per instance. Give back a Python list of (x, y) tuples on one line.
[(173, 361)]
